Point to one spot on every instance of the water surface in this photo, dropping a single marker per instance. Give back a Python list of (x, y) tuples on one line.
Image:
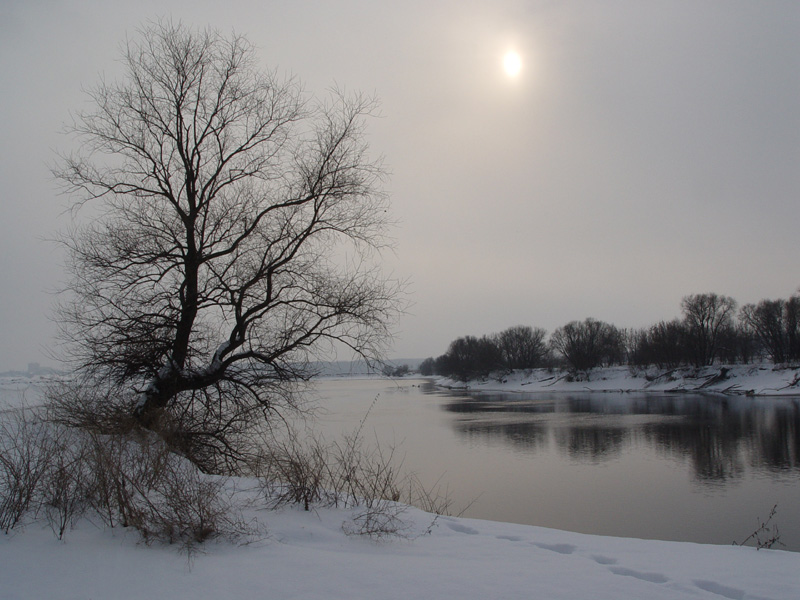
[(659, 466)]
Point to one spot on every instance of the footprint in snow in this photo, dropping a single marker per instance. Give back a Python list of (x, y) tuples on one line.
[(462, 528), (560, 548), (510, 538), (603, 560), (719, 589), (651, 577)]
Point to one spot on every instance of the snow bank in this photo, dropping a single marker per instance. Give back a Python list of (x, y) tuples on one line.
[(757, 380), (306, 555)]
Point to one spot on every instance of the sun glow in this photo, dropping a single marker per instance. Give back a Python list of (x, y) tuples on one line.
[(512, 63)]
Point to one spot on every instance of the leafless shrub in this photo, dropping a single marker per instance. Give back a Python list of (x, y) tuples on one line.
[(216, 438), (379, 520), (26, 449), (116, 462), (64, 491), (766, 534), (188, 508), (434, 499), (295, 473), (138, 482), (366, 475), (131, 480), (347, 473), (87, 404), (298, 470)]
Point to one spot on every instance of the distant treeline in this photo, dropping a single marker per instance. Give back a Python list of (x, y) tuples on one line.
[(710, 330)]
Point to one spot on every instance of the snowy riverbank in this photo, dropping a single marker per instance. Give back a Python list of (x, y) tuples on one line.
[(758, 380), (306, 555)]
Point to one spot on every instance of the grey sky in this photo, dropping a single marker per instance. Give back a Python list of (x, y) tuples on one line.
[(648, 150)]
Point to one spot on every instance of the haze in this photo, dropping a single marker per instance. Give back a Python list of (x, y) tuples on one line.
[(645, 150)]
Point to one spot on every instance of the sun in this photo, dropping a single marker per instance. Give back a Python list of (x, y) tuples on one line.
[(512, 63)]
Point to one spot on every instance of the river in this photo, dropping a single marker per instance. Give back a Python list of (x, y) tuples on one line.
[(682, 467)]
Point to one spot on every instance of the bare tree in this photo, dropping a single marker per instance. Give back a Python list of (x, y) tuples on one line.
[(469, 357), (664, 345), (707, 317), (589, 343), (775, 322), (523, 347), (766, 321), (427, 367), (233, 240)]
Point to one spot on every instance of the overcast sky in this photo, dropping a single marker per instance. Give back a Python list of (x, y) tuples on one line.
[(646, 150)]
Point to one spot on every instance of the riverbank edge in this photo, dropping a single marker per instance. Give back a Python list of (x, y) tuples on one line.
[(763, 379)]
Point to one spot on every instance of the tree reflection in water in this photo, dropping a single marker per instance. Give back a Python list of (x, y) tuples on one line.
[(719, 435)]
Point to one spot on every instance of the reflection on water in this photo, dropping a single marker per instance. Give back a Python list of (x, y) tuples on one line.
[(673, 467), (718, 435)]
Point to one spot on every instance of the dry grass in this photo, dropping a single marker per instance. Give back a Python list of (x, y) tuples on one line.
[(128, 480)]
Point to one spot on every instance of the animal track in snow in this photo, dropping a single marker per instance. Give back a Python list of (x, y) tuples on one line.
[(604, 560), (651, 577), (560, 548), (719, 589), (567, 549), (462, 528)]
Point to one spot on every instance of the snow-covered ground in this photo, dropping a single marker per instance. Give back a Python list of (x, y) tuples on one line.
[(307, 555), (759, 380)]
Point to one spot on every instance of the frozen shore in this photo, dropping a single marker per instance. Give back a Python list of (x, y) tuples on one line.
[(751, 380), (307, 555)]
